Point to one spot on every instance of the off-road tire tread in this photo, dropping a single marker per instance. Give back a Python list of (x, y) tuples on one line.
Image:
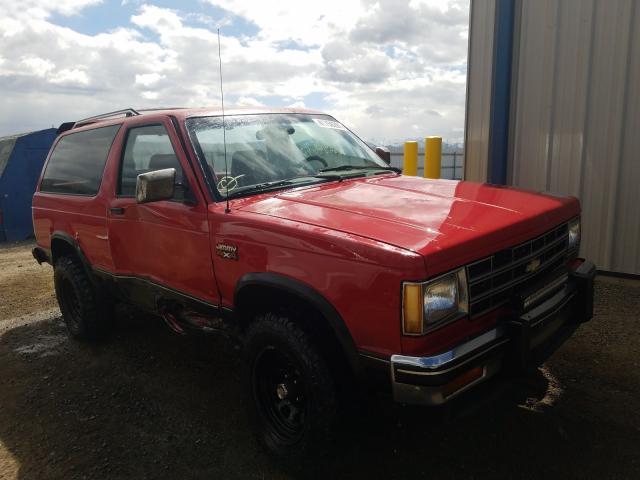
[(321, 431), (95, 319)]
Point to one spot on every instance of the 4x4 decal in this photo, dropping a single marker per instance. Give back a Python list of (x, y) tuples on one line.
[(227, 251)]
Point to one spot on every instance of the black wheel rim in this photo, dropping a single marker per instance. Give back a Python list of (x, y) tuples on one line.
[(70, 304), (280, 395)]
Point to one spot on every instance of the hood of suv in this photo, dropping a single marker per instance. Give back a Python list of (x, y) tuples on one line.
[(448, 222)]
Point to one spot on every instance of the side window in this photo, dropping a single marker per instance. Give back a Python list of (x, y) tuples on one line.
[(148, 148), (77, 162)]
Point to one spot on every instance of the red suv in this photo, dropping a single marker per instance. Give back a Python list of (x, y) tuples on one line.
[(282, 228)]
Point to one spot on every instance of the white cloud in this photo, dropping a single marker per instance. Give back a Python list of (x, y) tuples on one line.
[(388, 69), (40, 9), (249, 102), (310, 23), (346, 64), (148, 79), (68, 76), (161, 20), (37, 66), (149, 95)]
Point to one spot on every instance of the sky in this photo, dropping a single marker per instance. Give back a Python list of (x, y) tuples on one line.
[(388, 69)]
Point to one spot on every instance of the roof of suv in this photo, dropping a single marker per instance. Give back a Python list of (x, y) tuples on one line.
[(179, 112)]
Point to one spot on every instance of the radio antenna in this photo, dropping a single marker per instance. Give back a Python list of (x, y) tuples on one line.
[(224, 131)]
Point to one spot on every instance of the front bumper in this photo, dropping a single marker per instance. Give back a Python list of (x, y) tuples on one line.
[(519, 343)]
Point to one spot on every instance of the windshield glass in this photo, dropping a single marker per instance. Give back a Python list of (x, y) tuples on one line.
[(277, 150)]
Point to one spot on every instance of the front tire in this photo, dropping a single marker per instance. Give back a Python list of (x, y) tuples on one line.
[(293, 392), (86, 314)]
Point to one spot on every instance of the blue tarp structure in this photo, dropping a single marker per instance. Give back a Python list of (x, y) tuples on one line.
[(21, 160)]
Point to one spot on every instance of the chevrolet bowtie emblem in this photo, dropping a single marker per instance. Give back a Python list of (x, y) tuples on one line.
[(227, 251), (533, 265)]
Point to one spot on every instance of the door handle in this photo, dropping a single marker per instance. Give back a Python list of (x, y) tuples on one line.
[(117, 210)]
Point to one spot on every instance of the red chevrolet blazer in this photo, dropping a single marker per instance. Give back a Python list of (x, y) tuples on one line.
[(284, 230)]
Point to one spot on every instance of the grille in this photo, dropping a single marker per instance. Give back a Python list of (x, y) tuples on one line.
[(494, 280)]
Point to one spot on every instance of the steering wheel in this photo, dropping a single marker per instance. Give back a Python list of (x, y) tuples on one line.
[(316, 158)]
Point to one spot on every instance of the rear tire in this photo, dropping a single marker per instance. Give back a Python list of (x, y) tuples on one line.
[(293, 392), (86, 313)]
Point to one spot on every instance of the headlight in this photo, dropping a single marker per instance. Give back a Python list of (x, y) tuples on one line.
[(429, 304), (574, 234)]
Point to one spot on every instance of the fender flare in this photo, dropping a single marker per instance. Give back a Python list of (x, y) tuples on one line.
[(68, 239), (311, 296)]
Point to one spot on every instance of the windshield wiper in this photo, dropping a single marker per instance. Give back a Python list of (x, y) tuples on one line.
[(360, 167), (264, 187), (261, 187)]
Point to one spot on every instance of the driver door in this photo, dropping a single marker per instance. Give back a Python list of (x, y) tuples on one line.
[(163, 243)]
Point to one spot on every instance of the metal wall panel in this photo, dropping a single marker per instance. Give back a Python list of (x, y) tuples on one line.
[(625, 256), (532, 110), (479, 87), (575, 117)]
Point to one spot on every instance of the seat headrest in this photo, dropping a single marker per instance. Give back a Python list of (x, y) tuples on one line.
[(161, 161)]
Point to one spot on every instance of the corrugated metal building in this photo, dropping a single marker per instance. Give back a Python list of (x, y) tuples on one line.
[(21, 160), (554, 104)]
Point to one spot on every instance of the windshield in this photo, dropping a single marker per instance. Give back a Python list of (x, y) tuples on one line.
[(278, 150)]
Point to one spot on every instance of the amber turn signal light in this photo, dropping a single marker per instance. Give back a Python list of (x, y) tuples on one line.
[(412, 308), (463, 380)]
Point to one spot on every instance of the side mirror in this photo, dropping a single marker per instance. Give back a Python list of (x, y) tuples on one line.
[(384, 154), (156, 185)]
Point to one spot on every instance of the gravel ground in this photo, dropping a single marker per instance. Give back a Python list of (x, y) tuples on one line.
[(150, 404)]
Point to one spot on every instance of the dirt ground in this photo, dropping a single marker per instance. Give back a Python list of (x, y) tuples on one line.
[(150, 404), (25, 286)]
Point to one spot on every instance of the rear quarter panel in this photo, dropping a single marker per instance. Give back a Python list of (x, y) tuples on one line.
[(84, 218)]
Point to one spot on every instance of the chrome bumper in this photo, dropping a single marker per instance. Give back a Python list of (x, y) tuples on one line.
[(520, 342), (423, 380)]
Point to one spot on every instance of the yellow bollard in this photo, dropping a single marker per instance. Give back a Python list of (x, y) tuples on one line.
[(432, 157), (410, 159)]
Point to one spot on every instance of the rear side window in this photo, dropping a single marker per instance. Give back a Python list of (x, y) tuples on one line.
[(148, 148), (77, 162)]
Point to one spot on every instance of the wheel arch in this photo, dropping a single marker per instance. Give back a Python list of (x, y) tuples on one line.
[(252, 284), (64, 244)]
